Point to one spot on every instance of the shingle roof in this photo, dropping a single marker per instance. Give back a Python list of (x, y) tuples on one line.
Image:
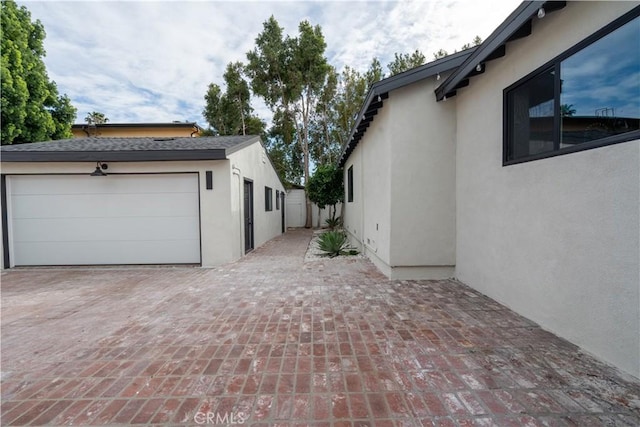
[(126, 149)]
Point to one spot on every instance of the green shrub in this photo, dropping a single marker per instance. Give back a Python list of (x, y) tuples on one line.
[(333, 222), (333, 243)]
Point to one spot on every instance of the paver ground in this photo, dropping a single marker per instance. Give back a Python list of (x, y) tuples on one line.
[(273, 340)]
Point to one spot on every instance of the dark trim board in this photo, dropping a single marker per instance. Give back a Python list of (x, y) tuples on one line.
[(112, 156), (5, 221)]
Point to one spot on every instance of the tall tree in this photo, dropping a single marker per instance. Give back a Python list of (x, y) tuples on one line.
[(31, 109), (96, 118), (405, 61), (289, 73), (230, 113)]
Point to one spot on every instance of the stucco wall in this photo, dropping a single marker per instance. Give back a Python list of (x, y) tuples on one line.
[(368, 217), (557, 239), (422, 183), (215, 219), (254, 164)]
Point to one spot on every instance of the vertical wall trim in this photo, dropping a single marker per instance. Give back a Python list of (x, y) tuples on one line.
[(5, 221)]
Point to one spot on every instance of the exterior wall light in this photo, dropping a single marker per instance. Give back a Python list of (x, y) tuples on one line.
[(100, 167), (541, 13)]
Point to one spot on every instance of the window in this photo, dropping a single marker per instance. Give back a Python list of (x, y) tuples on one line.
[(350, 184), (277, 200), (587, 97), (268, 199)]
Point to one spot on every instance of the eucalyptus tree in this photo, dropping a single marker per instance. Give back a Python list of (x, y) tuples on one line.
[(31, 109), (230, 112), (289, 73)]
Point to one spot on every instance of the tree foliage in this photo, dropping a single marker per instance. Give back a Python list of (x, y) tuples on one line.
[(325, 187), (405, 61), (290, 73), (31, 109), (230, 113), (477, 41), (96, 118)]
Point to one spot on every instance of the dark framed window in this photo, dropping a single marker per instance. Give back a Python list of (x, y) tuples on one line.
[(350, 184), (268, 199), (277, 200), (585, 98)]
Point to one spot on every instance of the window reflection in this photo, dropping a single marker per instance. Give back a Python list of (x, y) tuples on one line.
[(601, 88)]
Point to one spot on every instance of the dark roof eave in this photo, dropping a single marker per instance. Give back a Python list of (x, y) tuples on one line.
[(499, 37), (414, 75), (113, 156), (137, 125)]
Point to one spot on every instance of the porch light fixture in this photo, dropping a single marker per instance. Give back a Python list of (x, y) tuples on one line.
[(541, 13), (100, 167), (479, 67)]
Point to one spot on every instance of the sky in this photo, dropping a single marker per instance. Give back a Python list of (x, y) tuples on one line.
[(152, 61)]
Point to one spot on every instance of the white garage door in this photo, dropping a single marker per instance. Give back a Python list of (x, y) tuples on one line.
[(117, 219)]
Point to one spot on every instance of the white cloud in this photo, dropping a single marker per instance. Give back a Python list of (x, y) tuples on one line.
[(152, 61)]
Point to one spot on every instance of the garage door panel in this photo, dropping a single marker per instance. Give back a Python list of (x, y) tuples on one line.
[(105, 253), (117, 219), (104, 205), (86, 229)]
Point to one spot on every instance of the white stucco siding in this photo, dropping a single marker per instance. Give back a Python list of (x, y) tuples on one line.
[(368, 217), (254, 164), (423, 181), (555, 239), (215, 219)]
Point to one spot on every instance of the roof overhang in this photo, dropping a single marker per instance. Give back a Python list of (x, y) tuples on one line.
[(379, 92), (113, 156), (517, 25)]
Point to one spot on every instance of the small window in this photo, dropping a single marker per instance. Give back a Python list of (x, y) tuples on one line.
[(277, 200), (350, 184), (585, 98), (268, 199)]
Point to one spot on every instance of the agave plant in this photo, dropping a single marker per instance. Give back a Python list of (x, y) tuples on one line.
[(333, 243), (333, 223)]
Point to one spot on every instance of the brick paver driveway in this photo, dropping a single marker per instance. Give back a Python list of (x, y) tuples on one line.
[(272, 340)]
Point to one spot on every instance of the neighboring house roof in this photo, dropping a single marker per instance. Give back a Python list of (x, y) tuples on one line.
[(126, 149), (517, 25), (379, 91), (140, 125)]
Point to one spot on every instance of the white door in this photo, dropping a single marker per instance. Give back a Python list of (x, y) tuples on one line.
[(115, 219)]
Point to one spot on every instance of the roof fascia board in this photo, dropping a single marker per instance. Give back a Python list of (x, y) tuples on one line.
[(500, 36), (113, 156), (242, 145), (383, 87)]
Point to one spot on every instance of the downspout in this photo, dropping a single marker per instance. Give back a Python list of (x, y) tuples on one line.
[(236, 171)]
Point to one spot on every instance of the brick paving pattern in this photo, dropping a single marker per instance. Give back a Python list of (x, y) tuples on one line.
[(272, 340)]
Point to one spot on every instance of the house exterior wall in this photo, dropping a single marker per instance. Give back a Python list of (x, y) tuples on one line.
[(367, 219), (403, 212), (422, 183), (556, 239), (221, 223), (135, 132), (254, 164), (215, 218)]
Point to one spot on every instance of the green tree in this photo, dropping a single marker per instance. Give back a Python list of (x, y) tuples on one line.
[(289, 73), (405, 61), (230, 113), (96, 118), (31, 109), (325, 187)]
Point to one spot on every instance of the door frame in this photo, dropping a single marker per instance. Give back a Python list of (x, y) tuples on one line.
[(248, 204)]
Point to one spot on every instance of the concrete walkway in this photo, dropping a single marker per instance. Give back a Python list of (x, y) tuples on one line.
[(272, 340)]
